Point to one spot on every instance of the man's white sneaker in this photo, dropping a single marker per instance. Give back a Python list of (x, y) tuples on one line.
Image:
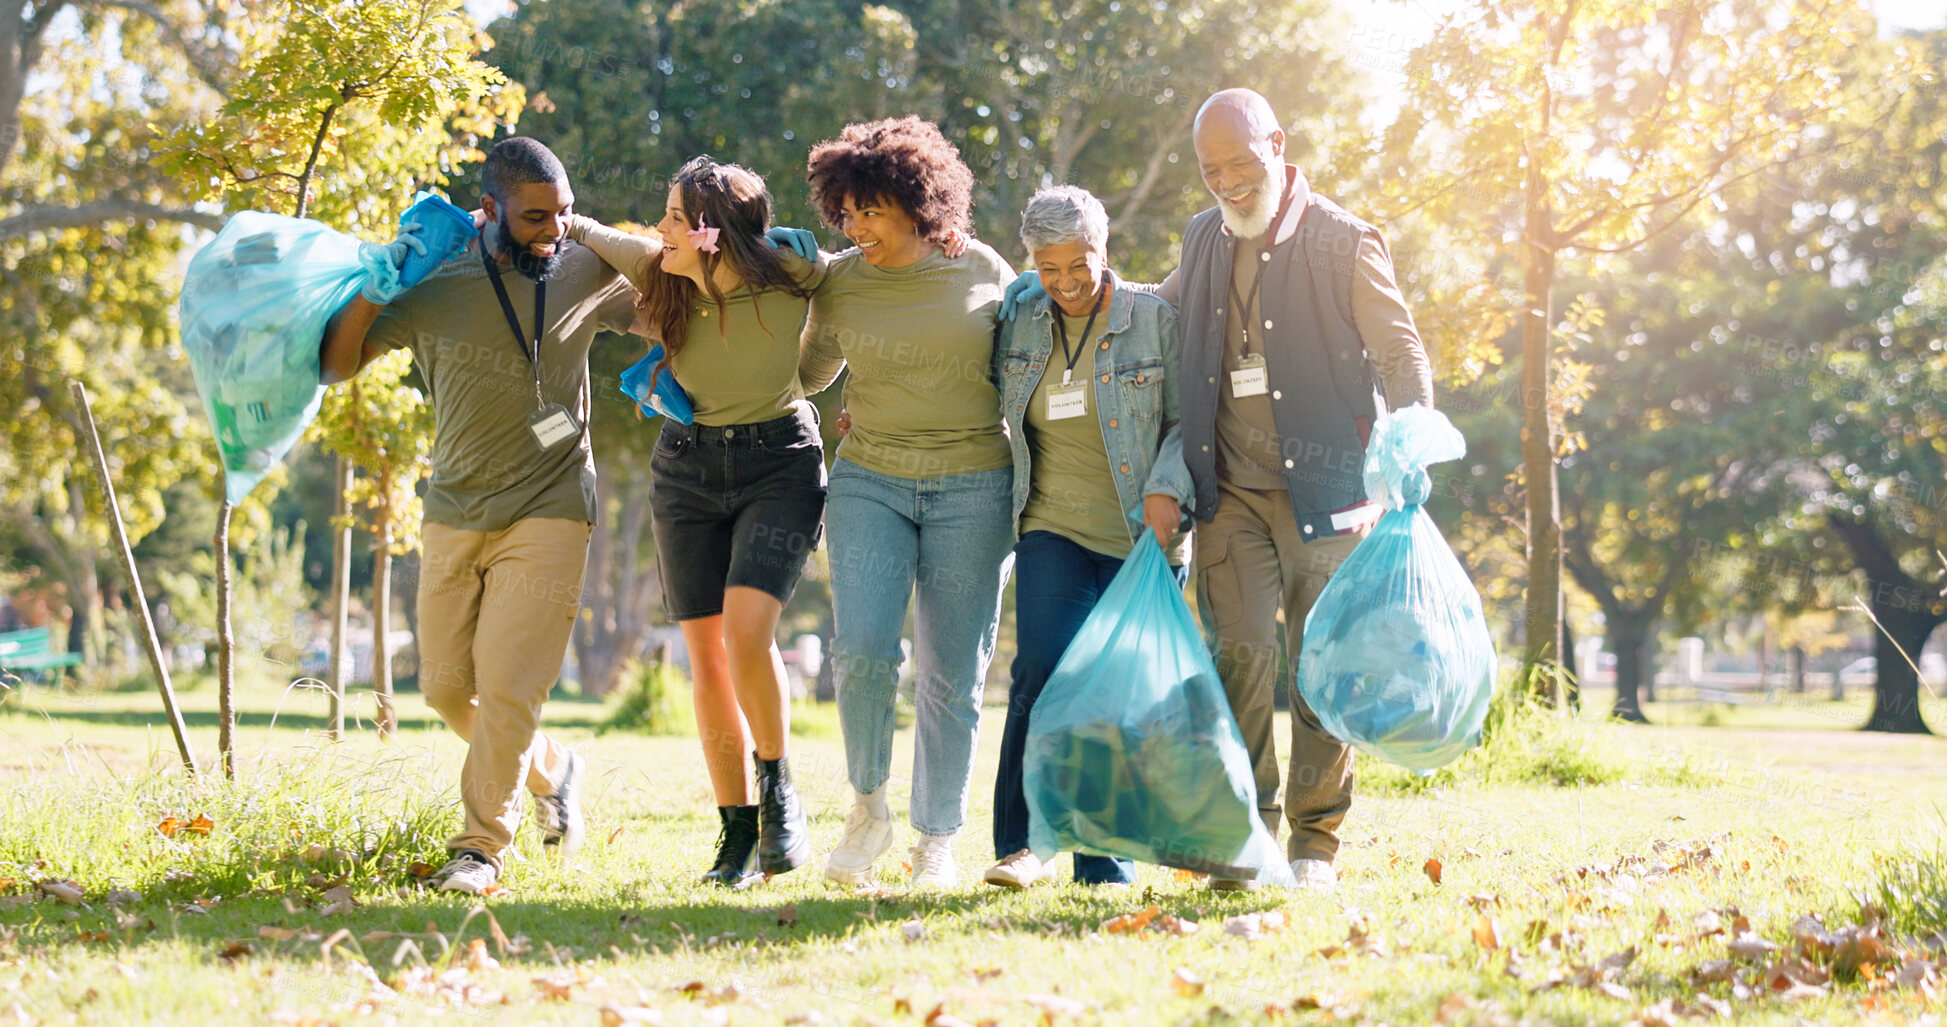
[(933, 865), (468, 872), (1315, 875), (558, 816), (867, 837), (1021, 870)]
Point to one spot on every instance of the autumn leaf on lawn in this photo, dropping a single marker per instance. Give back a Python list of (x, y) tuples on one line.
[(200, 826), (234, 951), (939, 1017), (623, 1016), (1432, 869), (169, 827), (66, 891), (1750, 947), (1186, 984), (560, 984), (1487, 933), (1130, 923), (420, 870), (787, 915)]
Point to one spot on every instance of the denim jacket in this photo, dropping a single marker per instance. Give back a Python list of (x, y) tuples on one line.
[(1137, 405)]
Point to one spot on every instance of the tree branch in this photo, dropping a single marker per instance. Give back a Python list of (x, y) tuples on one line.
[(85, 215), (206, 62), (1152, 173)]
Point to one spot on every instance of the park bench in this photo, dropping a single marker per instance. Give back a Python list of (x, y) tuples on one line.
[(30, 652)]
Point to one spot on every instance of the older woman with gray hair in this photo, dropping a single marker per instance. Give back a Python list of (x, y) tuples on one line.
[(1089, 396)]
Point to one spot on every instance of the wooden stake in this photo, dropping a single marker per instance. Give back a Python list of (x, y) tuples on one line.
[(114, 509)]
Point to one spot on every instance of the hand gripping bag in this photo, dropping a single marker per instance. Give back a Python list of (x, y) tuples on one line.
[(1397, 657), (1132, 750), (254, 305)]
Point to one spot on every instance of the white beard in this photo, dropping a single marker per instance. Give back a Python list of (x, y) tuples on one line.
[(1252, 223)]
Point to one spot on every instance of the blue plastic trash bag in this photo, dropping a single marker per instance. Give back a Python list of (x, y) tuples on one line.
[(1132, 750), (666, 398), (1397, 658), (254, 306), (443, 227)]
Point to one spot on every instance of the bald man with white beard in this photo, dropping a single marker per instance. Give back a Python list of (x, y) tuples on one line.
[(1295, 339)]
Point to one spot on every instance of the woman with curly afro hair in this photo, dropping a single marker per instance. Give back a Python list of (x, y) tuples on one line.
[(921, 492)]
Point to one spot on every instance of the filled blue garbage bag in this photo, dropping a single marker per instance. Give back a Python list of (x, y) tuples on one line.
[(657, 393), (254, 306), (1132, 750), (1397, 659)]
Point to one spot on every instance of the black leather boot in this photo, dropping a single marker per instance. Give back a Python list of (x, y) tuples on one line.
[(735, 844), (783, 839)]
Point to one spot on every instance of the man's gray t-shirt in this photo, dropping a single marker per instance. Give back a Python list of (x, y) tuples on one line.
[(488, 468)]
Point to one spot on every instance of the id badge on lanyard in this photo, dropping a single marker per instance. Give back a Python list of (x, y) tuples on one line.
[(551, 423), (1067, 400), (1070, 398), (1249, 377)]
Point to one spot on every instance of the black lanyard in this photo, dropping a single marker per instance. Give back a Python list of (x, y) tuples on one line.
[(1243, 306), (514, 323), (1061, 326)]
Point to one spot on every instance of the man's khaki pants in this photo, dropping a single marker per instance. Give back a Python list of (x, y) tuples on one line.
[(1251, 559), (496, 610)]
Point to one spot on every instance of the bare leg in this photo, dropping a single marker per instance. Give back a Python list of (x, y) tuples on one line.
[(719, 724), (749, 626)]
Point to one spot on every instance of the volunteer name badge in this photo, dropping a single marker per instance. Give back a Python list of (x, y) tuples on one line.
[(553, 425), (1067, 400), (1249, 377)]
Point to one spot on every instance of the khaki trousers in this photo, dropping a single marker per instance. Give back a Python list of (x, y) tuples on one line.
[(496, 610), (1251, 560)]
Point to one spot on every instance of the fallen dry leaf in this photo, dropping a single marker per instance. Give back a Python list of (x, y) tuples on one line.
[(1487, 933), (477, 958), (169, 827), (620, 1016), (939, 1017), (420, 870), (1750, 947), (66, 891), (1432, 869), (1185, 983), (1713, 971), (200, 826), (560, 984), (234, 951), (913, 929), (787, 915), (1130, 923), (1052, 1006), (1175, 925)]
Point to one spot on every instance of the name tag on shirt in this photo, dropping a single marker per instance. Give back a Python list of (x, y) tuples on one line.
[(1249, 377), (553, 425), (1066, 401)]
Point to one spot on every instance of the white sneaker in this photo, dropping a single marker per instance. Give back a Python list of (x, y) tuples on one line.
[(1315, 875), (1021, 870), (933, 865), (468, 871), (558, 816), (867, 837)]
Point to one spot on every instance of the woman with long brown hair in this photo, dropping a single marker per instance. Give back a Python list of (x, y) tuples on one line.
[(740, 492)]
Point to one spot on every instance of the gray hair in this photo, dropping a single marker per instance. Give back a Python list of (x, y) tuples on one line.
[(1063, 214)]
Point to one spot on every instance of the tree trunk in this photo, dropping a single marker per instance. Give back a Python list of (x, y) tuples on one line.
[(616, 589), (1627, 631), (341, 597), (1544, 605), (1797, 671), (382, 625), (226, 645), (1896, 685), (1572, 674), (1649, 663), (84, 586)]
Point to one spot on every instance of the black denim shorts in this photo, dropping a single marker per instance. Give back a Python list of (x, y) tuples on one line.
[(740, 504)]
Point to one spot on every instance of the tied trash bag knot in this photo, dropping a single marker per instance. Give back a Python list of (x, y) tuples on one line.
[(1397, 659), (1132, 750)]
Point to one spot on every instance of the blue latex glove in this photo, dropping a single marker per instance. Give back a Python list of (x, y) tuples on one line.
[(1021, 292), (796, 239), (382, 262)]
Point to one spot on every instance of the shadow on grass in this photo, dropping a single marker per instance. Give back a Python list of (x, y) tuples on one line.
[(412, 716), (631, 926)]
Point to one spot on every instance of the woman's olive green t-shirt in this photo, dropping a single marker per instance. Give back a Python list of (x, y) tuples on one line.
[(1071, 490), (739, 364), (919, 341)]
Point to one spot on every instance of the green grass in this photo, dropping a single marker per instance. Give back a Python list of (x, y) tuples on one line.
[(1557, 821)]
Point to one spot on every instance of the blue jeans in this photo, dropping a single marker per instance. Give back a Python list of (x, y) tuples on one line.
[(950, 536), (1058, 584)]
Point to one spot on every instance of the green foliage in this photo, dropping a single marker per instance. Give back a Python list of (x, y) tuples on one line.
[(383, 424), (271, 595), (1910, 897), (652, 700)]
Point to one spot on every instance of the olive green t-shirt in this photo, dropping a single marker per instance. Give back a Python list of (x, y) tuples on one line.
[(488, 468), (1248, 446), (739, 365), (1071, 489), (920, 344)]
